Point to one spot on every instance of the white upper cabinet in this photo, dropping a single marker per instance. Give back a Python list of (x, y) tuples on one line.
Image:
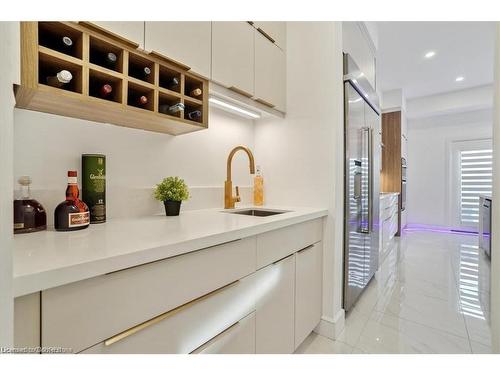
[(276, 30), (131, 30), (270, 73), (188, 43), (233, 56)]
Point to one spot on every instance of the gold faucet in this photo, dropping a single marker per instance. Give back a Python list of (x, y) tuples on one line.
[(229, 200)]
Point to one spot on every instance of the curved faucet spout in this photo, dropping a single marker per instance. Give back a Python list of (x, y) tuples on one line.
[(229, 200)]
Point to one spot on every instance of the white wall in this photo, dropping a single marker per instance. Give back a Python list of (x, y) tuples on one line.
[(9, 68), (302, 155), (429, 142), (47, 146)]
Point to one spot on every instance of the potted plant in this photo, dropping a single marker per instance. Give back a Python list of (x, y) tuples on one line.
[(172, 191)]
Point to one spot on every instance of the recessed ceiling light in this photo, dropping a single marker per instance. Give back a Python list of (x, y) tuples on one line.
[(459, 79), (430, 54)]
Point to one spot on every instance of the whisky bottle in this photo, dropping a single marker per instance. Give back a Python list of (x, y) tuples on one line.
[(73, 213), (60, 79), (94, 186), (196, 92), (29, 214)]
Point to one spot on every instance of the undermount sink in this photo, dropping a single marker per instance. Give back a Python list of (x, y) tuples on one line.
[(256, 212)]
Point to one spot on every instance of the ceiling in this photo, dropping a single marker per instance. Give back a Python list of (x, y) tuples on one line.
[(462, 49)]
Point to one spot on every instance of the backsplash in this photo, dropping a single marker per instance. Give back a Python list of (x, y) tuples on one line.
[(136, 160)]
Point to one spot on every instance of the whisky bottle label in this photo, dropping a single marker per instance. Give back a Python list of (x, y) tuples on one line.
[(78, 219)]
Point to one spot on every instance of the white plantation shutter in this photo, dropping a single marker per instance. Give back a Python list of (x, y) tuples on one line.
[(475, 179)]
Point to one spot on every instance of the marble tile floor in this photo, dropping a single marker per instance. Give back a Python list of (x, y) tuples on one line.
[(430, 295)]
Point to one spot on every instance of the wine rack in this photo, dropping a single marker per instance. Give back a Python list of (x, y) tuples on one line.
[(95, 58)]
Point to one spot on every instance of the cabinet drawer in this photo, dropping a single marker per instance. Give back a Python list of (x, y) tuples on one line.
[(84, 313), (186, 328), (277, 244), (237, 339)]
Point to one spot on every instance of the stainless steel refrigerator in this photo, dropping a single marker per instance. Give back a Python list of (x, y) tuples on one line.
[(362, 137)]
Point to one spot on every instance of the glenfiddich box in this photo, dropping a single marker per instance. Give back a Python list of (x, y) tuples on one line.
[(94, 186)]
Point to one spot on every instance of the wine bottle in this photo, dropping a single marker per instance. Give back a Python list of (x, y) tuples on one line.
[(60, 79), (140, 73), (67, 42), (173, 83), (73, 213), (105, 90), (139, 100), (196, 92), (110, 60), (171, 109), (194, 115)]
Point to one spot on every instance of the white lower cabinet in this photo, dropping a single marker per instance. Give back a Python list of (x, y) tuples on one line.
[(186, 328), (388, 223), (275, 299), (237, 339), (260, 294), (308, 291)]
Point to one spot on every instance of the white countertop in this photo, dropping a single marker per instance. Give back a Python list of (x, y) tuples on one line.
[(48, 259)]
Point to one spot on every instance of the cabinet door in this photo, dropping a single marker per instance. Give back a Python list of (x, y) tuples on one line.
[(275, 30), (131, 30), (270, 73), (275, 307), (308, 282), (185, 42), (233, 55)]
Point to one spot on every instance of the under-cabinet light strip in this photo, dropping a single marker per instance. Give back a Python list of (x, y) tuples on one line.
[(226, 105)]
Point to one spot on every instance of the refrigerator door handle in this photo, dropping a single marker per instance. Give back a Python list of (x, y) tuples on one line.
[(370, 179), (366, 148)]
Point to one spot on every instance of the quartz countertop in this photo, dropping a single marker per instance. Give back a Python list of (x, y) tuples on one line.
[(48, 259)]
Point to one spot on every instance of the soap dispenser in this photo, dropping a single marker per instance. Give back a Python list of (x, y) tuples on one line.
[(258, 187)]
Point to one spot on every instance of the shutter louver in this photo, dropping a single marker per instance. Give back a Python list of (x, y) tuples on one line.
[(475, 179)]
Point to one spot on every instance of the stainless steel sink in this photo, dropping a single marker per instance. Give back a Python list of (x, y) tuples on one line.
[(256, 212)]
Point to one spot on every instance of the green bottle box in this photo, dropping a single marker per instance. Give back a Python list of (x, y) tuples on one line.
[(94, 186)]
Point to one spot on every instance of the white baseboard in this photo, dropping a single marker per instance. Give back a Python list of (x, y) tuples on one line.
[(329, 327)]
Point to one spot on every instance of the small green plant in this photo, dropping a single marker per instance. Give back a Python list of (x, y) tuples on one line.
[(172, 189)]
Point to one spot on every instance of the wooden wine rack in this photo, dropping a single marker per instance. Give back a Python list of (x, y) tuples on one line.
[(79, 99)]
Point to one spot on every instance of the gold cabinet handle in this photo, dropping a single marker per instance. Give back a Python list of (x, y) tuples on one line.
[(157, 319), (305, 248), (219, 336), (240, 91), (266, 103)]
